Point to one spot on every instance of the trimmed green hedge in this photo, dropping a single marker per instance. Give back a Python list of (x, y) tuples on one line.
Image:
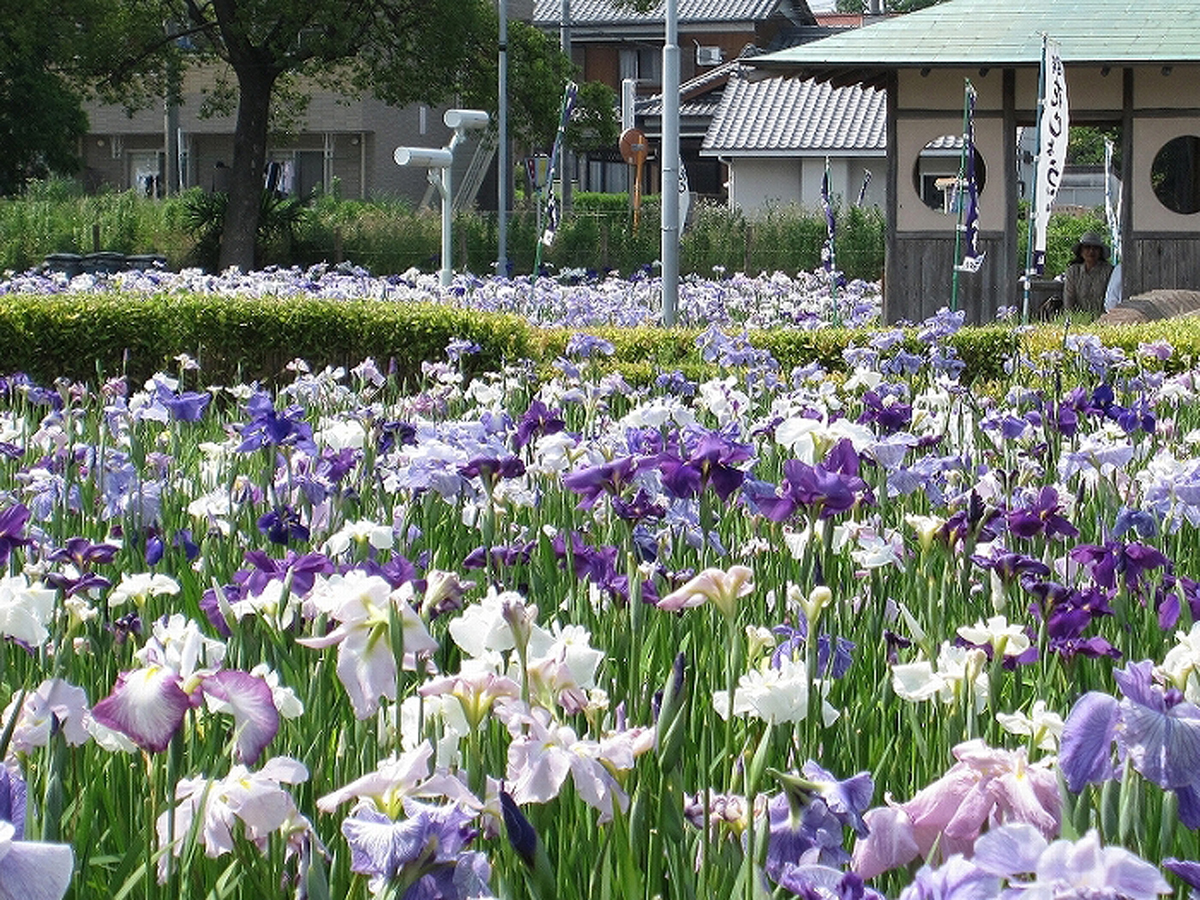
[(84, 337)]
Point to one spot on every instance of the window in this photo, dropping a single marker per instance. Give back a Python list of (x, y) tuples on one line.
[(1175, 174), (935, 172)]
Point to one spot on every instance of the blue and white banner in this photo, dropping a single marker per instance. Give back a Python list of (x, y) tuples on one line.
[(1054, 121), (862, 191), (1112, 208), (972, 256), (568, 104), (827, 252)]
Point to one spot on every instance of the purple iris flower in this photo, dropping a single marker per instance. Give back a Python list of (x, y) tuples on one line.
[(807, 819), (1155, 729), (1130, 561), (641, 507), (812, 488), (977, 521), (584, 346), (395, 434), (507, 557), (1068, 613), (1011, 566), (812, 881), (283, 525), (713, 460), (302, 569), (834, 656), (1173, 593), (889, 417), (396, 571), (429, 842), (538, 419), (184, 406), (1042, 516), (269, 427), (594, 481), (12, 526), (460, 347), (13, 794), (491, 469)]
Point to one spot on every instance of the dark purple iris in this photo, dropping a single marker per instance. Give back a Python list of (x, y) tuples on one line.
[(812, 488), (1043, 516), (283, 525), (1131, 561), (713, 460), (517, 554), (889, 417), (395, 434), (12, 530), (1012, 566), (302, 569), (538, 420), (490, 469), (269, 427), (976, 522), (591, 483), (641, 507)]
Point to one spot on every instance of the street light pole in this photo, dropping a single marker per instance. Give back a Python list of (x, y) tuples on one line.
[(503, 166), (670, 167)]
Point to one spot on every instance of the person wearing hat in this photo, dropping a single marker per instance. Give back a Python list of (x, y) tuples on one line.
[(1086, 280)]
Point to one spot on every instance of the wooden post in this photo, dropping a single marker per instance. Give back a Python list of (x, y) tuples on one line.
[(95, 237)]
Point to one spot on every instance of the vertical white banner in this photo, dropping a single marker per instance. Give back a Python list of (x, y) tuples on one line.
[(1112, 208), (1055, 121)]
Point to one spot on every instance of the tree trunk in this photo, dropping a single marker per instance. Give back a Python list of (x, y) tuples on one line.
[(246, 177)]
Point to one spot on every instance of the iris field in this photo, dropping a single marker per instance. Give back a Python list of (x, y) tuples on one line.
[(770, 634)]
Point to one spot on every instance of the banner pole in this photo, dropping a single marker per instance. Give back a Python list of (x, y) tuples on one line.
[(1033, 197)]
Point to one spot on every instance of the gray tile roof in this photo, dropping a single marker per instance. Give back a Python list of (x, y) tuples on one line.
[(791, 117), (606, 12), (1005, 32)]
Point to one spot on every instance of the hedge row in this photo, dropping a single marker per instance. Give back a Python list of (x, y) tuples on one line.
[(84, 338)]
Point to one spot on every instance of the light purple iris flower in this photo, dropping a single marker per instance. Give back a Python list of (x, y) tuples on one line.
[(1155, 729), (31, 870)]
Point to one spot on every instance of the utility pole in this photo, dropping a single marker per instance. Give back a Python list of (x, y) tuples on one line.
[(503, 165), (670, 167)]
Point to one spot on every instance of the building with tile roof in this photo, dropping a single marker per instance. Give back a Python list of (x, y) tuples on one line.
[(776, 134), (1131, 66)]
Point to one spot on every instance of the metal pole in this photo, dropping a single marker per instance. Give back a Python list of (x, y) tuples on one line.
[(503, 166), (1033, 194), (447, 217), (670, 167), (568, 158)]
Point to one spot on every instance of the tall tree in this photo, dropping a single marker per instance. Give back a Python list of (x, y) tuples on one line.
[(403, 51), (41, 119)]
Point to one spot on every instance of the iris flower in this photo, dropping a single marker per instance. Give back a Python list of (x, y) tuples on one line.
[(363, 606), (31, 870), (985, 787), (1156, 729)]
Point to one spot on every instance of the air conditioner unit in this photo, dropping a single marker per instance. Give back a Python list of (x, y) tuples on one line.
[(708, 56)]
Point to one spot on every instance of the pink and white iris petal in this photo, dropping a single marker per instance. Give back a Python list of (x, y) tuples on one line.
[(393, 778), (147, 705), (31, 870), (540, 759), (722, 589), (54, 699), (250, 700)]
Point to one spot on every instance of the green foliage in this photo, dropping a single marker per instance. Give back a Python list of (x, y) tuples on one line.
[(41, 119), (279, 221), (1064, 230), (244, 339), (255, 338)]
